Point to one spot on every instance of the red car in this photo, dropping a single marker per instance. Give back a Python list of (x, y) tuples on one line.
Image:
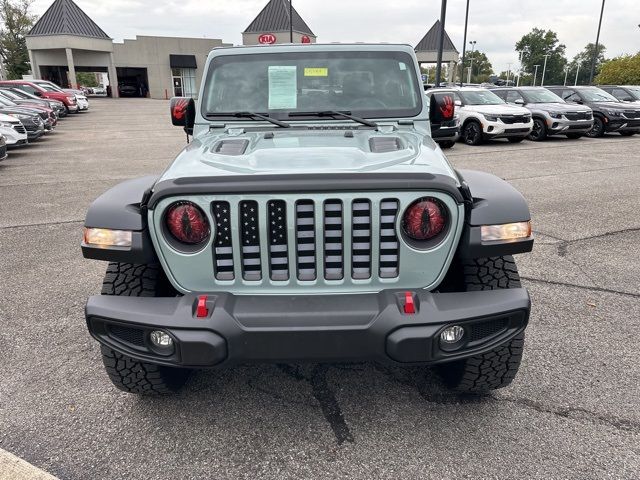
[(43, 91)]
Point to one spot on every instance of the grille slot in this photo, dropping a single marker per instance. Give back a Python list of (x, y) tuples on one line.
[(20, 128), (333, 240), (134, 336), (305, 240), (222, 243), (249, 240), (278, 245), (389, 245), (482, 330), (361, 239)]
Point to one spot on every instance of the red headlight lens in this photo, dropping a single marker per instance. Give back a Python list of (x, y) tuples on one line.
[(187, 223), (424, 219)]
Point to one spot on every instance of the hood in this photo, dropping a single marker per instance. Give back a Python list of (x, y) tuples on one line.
[(19, 110), (610, 105), (278, 151), (500, 109), (558, 107)]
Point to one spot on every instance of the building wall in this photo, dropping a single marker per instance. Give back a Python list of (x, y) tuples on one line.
[(281, 37), (153, 53)]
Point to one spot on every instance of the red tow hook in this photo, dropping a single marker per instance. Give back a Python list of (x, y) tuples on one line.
[(201, 310), (409, 303)]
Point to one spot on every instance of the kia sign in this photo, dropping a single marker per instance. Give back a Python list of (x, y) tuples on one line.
[(267, 38), (306, 39)]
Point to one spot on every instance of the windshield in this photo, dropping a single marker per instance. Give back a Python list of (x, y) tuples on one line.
[(480, 97), (541, 96), (48, 87), (634, 92), (596, 95), (367, 84)]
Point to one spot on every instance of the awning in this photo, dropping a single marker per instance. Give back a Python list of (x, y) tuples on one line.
[(182, 61)]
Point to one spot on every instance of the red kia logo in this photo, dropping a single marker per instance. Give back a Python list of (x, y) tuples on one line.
[(267, 38), (306, 39)]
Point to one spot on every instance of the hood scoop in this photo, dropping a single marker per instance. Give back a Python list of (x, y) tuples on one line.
[(384, 144), (231, 147)]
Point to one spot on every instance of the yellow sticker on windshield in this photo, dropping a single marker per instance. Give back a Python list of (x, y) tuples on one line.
[(316, 72)]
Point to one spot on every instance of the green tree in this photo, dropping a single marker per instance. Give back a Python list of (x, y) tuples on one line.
[(534, 46), (583, 60), (624, 70), (16, 22), (86, 79), (481, 68)]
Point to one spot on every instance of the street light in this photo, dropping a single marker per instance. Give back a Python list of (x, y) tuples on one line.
[(443, 17), (544, 69), (535, 75), (473, 47), (464, 43), (595, 53), (290, 21)]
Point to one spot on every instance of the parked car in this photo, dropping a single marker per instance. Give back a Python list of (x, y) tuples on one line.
[(624, 93), (551, 114), (48, 116), (445, 133), (609, 114), (69, 100), (80, 96), (30, 119), (484, 115), (13, 131), (3, 148), (22, 97), (100, 91), (127, 90), (349, 237)]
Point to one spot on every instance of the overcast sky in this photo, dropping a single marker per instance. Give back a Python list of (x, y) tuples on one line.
[(495, 24)]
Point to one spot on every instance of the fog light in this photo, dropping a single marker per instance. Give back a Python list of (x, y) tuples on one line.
[(161, 339), (451, 335)]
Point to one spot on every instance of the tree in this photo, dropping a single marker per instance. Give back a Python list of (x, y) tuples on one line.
[(86, 79), (481, 68), (16, 23), (534, 46), (624, 70), (583, 60)]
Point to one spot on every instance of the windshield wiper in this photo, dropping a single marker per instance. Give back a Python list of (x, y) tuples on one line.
[(251, 115), (335, 113)]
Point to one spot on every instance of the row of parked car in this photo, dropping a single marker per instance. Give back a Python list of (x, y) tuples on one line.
[(32, 108), (516, 113)]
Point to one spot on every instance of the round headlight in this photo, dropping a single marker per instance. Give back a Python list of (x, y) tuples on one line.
[(424, 219), (187, 223)]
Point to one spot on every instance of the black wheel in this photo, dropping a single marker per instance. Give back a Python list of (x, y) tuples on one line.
[(575, 135), (598, 128), (472, 133), (446, 144), (498, 367), (539, 131), (627, 134), (127, 374), (515, 139)]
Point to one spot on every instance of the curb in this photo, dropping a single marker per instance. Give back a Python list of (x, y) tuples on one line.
[(14, 468)]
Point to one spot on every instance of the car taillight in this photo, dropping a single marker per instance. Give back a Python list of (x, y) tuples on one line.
[(187, 223), (424, 219)]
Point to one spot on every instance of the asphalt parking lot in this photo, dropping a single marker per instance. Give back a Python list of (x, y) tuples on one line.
[(573, 411)]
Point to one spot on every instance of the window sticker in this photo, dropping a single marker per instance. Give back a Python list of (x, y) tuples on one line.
[(283, 92), (402, 65), (316, 72)]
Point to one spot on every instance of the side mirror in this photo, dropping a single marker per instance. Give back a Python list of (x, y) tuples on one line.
[(183, 113), (37, 93), (519, 101), (457, 103), (441, 108)]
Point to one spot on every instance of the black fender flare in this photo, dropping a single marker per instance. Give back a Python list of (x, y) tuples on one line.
[(491, 201), (123, 207)]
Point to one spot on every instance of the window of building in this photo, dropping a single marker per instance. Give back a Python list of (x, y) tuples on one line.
[(184, 82)]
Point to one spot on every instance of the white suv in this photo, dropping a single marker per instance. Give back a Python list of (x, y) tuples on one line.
[(484, 115), (13, 131)]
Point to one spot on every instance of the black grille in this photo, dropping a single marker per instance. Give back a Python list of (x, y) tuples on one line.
[(632, 113), (134, 336), (486, 329), (20, 128), (222, 243), (515, 119), (389, 246), (578, 116)]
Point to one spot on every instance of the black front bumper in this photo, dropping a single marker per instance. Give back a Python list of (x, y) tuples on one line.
[(318, 328)]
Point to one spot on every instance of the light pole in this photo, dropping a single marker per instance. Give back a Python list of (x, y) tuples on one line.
[(290, 21), (566, 73), (577, 70), (544, 69), (464, 43), (508, 73), (535, 75), (595, 53), (443, 16), (473, 47)]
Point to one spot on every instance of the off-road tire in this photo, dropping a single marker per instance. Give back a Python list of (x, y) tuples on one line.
[(575, 136), (498, 367), (472, 133), (597, 130), (127, 374), (539, 131), (515, 139), (446, 144)]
